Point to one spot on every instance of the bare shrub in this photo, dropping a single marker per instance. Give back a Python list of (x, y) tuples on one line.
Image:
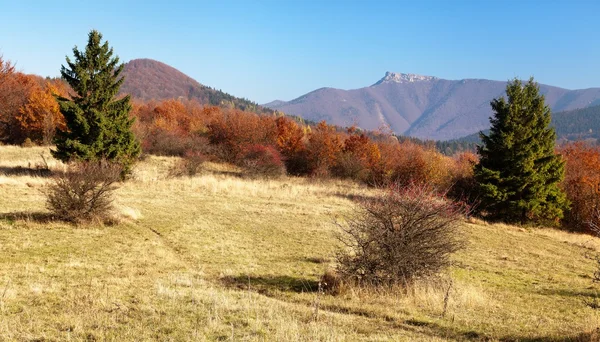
[(84, 192), (407, 233)]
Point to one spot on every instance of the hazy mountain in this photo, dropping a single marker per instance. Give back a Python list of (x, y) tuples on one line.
[(273, 103), (147, 79), (421, 106)]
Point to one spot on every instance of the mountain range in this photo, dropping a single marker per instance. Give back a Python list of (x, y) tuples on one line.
[(425, 107)]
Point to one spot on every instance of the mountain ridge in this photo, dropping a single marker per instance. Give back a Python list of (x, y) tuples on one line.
[(425, 107)]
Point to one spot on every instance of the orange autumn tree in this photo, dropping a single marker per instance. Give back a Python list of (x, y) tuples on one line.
[(421, 165), (15, 88), (171, 115), (235, 130), (324, 147), (291, 144), (39, 118), (359, 158), (582, 186)]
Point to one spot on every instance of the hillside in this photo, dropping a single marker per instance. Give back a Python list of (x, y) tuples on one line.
[(147, 79), (578, 124), (425, 107), (221, 257)]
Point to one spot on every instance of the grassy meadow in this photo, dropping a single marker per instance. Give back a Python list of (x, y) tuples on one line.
[(220, 257)]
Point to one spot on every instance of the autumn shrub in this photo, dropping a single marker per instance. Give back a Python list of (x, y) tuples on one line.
[(582, 186), (234, 130), (84, 192), (291, 143), (358, 159), (409, 232), (324, 146), (165, 143), (172, 143), (189, 165), (417, 164), (28, 143), (348, 165), (262, 161)]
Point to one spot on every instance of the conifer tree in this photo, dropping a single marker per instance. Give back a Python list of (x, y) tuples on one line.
[(519, 173), (98, 124)]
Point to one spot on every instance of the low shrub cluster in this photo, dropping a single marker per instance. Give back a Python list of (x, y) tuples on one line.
[(84, 192)]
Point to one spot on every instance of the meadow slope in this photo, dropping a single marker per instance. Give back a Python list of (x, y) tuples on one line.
[(222, 257)]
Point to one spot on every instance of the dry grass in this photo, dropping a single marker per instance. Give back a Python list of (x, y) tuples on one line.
[(219, 257)]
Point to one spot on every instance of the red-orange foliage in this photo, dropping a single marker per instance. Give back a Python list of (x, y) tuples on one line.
[(261, 160), (172, 127), (361, 146), (324, 147), (359, 158), (15, 92), (419, 165), (291, 143), (290, 136), (6, 69), (582, 185), (409, 163), (236, 129)]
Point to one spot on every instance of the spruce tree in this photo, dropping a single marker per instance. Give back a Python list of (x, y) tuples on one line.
[(519, 173), (98, 124)]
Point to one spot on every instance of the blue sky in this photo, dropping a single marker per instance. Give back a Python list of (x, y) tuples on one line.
[(267, 50)]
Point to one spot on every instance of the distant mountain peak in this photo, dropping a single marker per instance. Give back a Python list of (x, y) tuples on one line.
[(147, 79), (395, 77)]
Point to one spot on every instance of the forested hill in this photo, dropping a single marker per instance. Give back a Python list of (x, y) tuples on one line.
[(578, 124), (575, 124), (147, 79)]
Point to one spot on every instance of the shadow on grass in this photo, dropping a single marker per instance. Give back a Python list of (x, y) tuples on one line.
[(267, 284), (38, 217), (316, 260), (436, 330), (25, 171), (590, 336), (354, 197), (593, 293), (232, 174)]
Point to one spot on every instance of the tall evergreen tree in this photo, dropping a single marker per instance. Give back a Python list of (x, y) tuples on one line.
[(519, 172), (98, 124)]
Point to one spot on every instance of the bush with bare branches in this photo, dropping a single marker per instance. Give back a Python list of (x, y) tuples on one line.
[(83, 192), (408, 233)]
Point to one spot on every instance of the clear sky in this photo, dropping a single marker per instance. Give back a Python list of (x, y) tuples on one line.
[(267, 50)]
